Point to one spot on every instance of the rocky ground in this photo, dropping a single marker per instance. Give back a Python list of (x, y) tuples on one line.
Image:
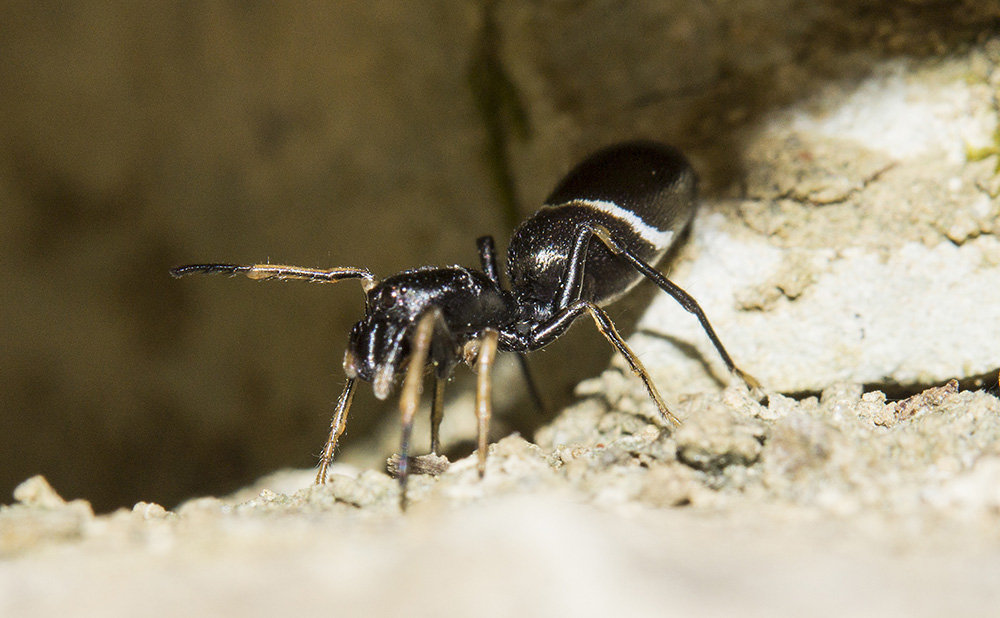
[(837, 505)]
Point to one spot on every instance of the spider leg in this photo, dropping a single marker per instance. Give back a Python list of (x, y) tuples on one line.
[(279, 271), (488, 261), (607, 328), (683, 298), (437, 413), (564, 318), (409, 399), (336, 429), (529, 379), (488, 258), (484, 391)]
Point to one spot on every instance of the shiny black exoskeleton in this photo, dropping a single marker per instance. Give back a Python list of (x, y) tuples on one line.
[(602, 230)]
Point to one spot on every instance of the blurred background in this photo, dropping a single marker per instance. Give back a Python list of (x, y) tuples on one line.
[(137, 137)]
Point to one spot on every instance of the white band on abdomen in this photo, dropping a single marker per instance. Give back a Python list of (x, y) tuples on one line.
[(658, 238)]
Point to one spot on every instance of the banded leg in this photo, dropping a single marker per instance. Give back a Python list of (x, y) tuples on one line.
[(279, 271), (683, 298), (484, 392), (565, 318), (574, 283), (607, 328), (409, 399), (336, 429)]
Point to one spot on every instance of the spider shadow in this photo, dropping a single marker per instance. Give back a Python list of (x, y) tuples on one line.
[(690, 351)]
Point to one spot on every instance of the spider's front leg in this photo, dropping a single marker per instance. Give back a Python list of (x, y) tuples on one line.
[(336, 429), (413, 386)]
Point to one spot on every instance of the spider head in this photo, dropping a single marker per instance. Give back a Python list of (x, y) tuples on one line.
[(376, 352)]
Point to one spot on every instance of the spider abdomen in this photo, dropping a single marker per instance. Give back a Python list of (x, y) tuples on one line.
[(644, 193)]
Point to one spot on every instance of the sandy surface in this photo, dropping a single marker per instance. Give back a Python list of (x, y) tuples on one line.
[(840, 506)]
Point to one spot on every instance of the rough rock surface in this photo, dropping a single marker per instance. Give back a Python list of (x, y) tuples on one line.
[(863, 246), (842, 505)]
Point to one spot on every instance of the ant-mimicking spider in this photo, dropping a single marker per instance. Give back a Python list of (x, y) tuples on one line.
[(634, 198)]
